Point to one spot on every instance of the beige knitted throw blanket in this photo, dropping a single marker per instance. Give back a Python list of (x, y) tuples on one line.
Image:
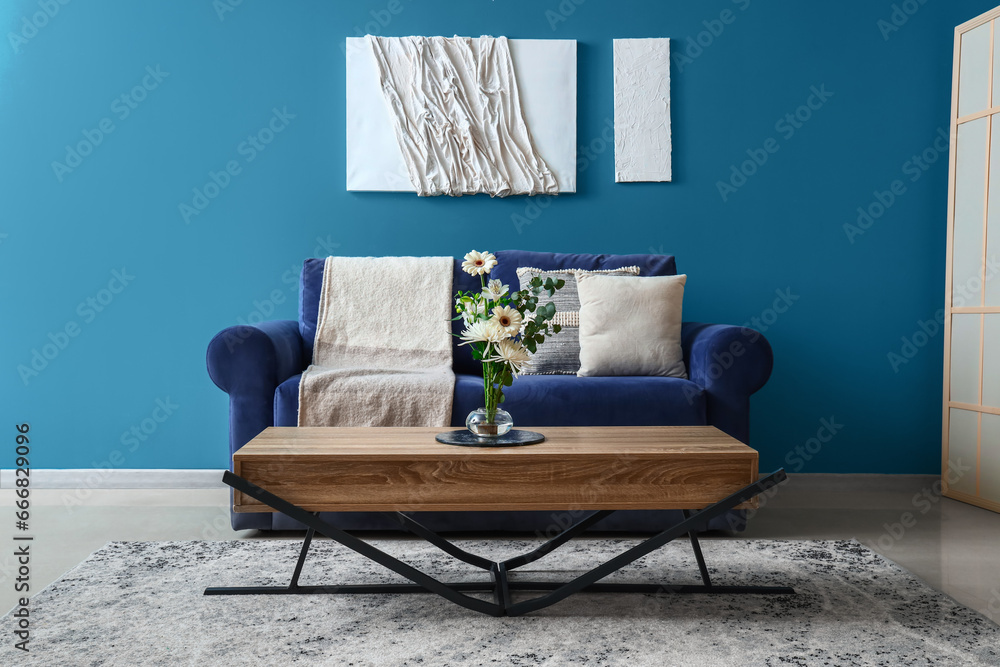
[(382, 354)]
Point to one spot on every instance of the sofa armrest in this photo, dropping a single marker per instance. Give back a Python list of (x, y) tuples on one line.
[(730, 363), (248, 363)]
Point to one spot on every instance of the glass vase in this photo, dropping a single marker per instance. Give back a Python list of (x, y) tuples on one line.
[(478, 423)]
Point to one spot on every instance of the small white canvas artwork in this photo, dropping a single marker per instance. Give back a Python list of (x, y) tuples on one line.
[(545, 71), (642, 110)]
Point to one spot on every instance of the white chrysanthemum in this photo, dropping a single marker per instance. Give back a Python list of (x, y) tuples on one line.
[(495, 289), (514, 354), (508, 319), (483, 332), (478, 263)]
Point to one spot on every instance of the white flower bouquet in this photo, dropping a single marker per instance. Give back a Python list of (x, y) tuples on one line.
[(503, 329)]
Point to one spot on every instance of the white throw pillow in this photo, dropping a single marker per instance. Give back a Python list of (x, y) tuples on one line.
[(631, 325)]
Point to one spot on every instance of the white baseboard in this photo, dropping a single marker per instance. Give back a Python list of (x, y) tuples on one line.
[(90, 478)]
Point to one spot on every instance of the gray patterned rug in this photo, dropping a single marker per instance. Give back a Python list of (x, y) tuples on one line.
[(141, 603)]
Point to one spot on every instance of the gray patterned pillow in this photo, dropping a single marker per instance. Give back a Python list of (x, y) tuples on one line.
[(560, 353)]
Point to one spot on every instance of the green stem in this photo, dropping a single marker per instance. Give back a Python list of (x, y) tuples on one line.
[(486, 387), (491, 390), (489, 394)]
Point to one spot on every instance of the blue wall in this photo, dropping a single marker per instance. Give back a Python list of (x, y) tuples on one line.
[(209, 78)]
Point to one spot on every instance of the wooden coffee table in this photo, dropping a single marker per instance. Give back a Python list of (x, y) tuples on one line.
[(304, 471)]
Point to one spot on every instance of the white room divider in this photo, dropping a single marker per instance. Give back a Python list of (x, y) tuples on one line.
[(971, 434)]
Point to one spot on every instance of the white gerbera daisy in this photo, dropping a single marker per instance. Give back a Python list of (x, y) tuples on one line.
[(514, 354), (478, 263), (495, 289), (483, 332), (508, 319)]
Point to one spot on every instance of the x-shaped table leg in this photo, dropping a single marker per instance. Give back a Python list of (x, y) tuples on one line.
[(500, 585)]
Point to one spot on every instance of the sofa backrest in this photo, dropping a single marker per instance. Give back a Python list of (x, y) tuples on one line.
[(506, 271)]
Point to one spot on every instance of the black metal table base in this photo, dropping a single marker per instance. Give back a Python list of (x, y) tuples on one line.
[(500, 583)]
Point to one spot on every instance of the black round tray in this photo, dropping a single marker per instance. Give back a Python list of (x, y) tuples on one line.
[(513, 438)]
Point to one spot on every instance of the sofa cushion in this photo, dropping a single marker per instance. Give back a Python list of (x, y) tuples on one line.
[(566, 400), (560, 400)]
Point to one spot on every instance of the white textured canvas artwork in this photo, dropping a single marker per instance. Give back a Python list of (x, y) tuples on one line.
[(642, 110), (488, 115)]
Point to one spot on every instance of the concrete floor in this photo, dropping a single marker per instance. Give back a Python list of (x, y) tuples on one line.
[(952, 546)]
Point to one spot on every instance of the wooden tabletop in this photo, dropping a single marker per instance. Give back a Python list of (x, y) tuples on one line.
[(418, 442), (405, 469)]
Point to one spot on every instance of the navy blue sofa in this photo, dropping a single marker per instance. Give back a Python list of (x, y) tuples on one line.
[(260, 367)]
